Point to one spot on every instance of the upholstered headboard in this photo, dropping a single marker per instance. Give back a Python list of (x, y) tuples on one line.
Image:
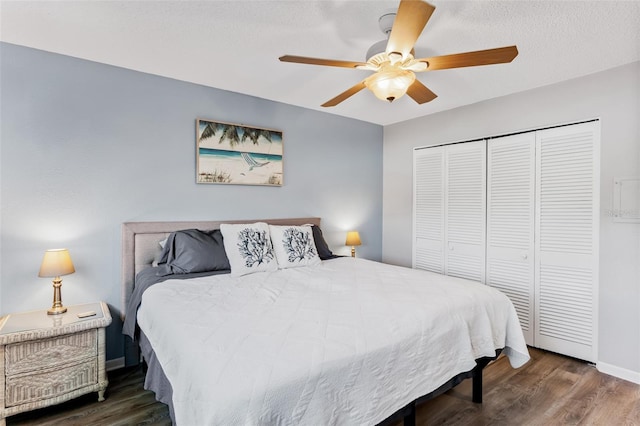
[(140, 243)]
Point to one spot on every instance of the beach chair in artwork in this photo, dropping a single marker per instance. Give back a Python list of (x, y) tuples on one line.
[(251, 161)]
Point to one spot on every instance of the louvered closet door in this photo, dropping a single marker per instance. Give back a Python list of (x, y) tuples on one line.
[(567, 200), (465, 210), (428, 204), (510, 223)]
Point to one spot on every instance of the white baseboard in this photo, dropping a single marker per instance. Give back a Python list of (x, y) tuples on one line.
[(114, 364), (619, 372)]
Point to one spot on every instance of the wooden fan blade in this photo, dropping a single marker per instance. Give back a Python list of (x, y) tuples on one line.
[(500, 55), (318, 61), (410, 20), (420, 93), (345, 95)]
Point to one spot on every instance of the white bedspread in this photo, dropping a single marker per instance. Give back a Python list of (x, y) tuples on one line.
[(349, 341)]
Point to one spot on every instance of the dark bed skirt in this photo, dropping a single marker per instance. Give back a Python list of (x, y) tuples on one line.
[(155, 379)]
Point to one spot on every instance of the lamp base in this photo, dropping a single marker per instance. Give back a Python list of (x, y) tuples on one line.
[(57, 307), (57, 310), (353, 251)]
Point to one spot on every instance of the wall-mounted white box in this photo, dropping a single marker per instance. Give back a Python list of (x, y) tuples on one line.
[(626, 199)]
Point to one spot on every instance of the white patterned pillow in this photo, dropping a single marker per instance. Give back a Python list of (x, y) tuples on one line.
[(248, 248), (294, 246)]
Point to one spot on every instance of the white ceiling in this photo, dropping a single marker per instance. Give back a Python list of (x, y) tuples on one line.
[(235, 45)]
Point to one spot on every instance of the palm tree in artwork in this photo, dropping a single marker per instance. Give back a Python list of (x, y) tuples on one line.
[(231, 134), (254, 135), (209, 130)]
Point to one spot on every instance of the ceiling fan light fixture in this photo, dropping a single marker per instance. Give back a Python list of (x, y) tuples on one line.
[(390, 84)]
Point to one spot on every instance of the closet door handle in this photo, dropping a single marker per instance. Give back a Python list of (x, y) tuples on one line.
[(525, 256)]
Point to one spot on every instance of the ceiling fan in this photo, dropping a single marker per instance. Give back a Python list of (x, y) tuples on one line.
[(395, 66)]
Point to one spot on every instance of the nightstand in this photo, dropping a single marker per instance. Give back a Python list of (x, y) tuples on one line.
[(48, 359)]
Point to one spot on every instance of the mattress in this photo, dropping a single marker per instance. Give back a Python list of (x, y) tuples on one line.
[(348, 341)]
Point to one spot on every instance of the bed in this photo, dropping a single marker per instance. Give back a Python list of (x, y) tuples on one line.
[(338, 341)]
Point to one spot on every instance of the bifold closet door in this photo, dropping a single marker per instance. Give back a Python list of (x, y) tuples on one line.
[(450, 209), (567, 220), (428, 209), (511, 224), (520, 213), (465, 210)]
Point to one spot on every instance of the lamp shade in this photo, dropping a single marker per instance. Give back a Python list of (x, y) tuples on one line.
[(56, 262), (353, 239), (390, 83)]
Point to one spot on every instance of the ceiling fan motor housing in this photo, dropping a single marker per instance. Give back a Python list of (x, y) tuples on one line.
[(376, 49), (385, 22)]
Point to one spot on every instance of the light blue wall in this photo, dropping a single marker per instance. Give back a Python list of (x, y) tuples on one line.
[(85, 147)]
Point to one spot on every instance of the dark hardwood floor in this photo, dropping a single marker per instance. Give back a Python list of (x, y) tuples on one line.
[(550, 390)]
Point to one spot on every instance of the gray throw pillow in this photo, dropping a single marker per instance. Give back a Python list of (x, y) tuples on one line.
[(321, 245), (192, 250)]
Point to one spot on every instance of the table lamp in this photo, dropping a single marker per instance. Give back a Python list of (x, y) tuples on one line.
[(353, 240), (56, 262)]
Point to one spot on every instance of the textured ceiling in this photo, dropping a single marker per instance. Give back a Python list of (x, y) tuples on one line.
[(235, 45)]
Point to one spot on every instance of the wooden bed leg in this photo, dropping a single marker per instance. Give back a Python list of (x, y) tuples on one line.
[(476, 384), (410, 415)]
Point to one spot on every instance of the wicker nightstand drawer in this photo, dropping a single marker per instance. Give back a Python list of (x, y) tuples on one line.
[(28, 388), (39, 354)]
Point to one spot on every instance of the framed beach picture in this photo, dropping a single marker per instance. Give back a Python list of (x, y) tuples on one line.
[(238, 154)]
